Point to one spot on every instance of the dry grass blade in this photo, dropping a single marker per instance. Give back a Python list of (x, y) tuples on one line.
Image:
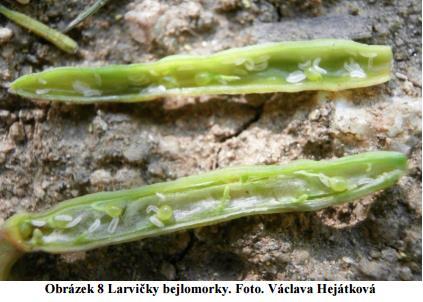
[(86, 13)]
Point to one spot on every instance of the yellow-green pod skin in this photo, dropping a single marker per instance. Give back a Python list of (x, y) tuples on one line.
[(328, 64)]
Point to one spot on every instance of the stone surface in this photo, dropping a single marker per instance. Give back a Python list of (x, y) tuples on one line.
[(5, 34)]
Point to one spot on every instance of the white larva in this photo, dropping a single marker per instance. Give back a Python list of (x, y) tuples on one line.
[(94, 226), (358, 74), (305, 65), (74, 222), (312, 66), (161, 196), (325, 180), (317, 68), (365, 181), (224, 79), (354, 69), (370, 56), (38, 223), (42, 91), (296, 77), (113, 225), (63, 217), (155, 89), (85, 90), (55, 237), (154, 220)]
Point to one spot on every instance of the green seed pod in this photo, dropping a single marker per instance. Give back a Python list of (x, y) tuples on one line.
[(108, 218), (274, 67)]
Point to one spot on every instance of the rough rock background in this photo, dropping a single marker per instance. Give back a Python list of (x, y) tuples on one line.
[(52, 152)]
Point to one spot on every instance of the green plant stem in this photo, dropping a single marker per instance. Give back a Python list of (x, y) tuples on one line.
[(8, 256), (55, 37)]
